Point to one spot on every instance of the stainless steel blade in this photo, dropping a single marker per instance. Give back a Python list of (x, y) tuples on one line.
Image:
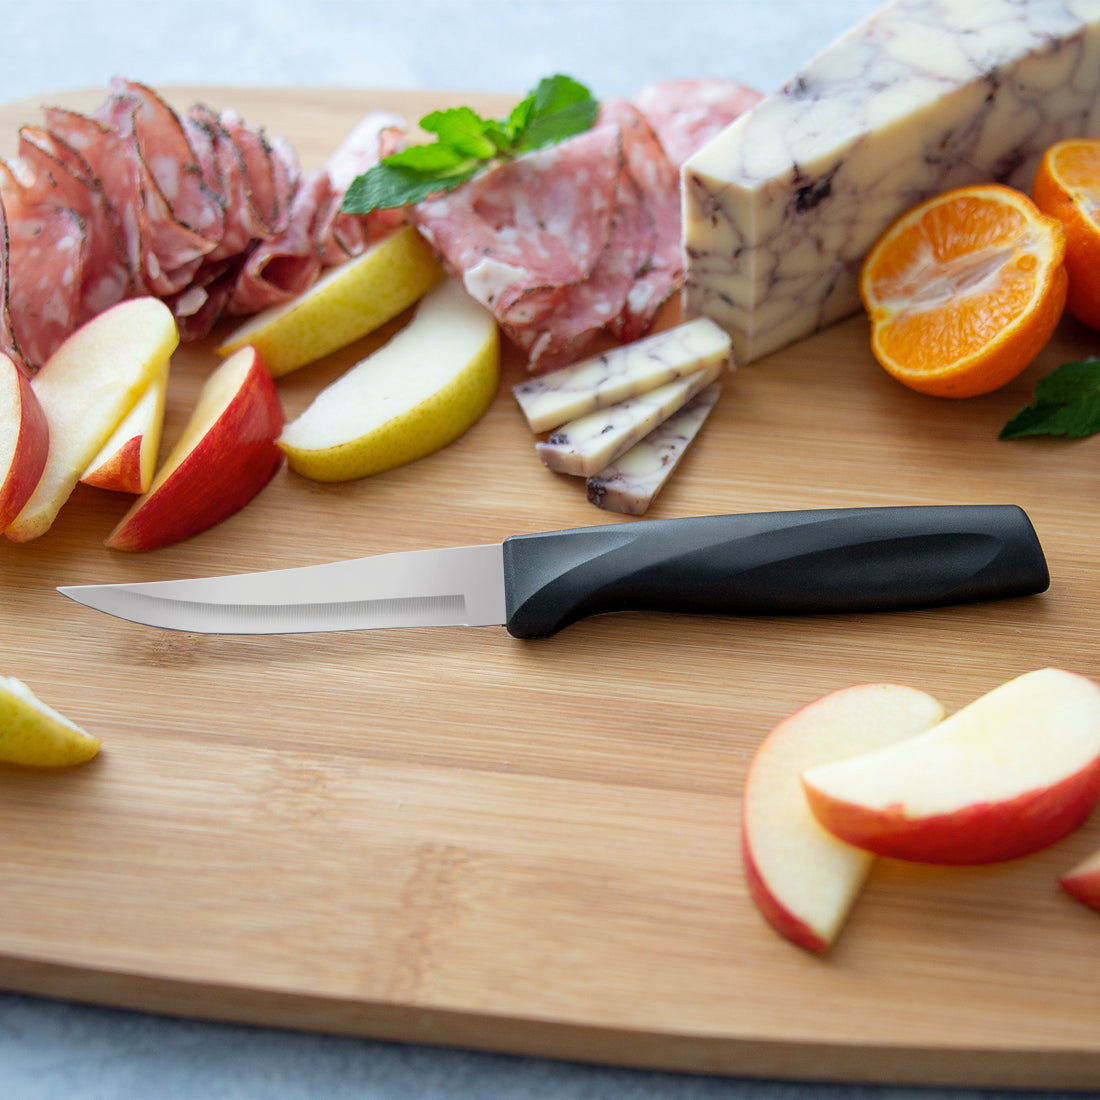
[(455, 586)]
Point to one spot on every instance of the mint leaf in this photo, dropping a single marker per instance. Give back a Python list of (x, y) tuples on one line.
[(1067, 403), (558, 108), (461, 130), (386, 186), (466, 143)]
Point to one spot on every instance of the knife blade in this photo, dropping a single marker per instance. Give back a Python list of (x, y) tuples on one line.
[(761, 563)]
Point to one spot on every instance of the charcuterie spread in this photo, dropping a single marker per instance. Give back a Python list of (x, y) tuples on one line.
[(923, 96), (199, 209), (581, 238), (390, 357)]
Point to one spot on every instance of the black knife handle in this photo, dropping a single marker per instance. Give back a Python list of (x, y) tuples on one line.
[(771, 563)]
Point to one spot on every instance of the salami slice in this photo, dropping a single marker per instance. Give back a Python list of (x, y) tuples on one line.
[(521, 234), (179, 220), (686, 114), (46, 248), (58, 175), (254, 178), (288, 264), (341, 235), (9, 343), (659, 262)]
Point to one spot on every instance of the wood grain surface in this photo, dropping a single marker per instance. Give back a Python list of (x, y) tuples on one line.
[(453, 836)]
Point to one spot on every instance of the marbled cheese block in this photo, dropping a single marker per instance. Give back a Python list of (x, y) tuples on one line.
[(631, 483), (586, 445), (925, 95), (549, 400)]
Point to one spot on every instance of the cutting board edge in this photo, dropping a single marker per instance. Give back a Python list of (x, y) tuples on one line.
[(666, 1051)]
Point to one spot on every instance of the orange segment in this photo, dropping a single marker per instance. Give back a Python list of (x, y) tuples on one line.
[(1067, 187), (964, 290)]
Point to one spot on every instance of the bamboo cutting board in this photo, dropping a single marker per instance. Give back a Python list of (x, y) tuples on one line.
[(453, 836)]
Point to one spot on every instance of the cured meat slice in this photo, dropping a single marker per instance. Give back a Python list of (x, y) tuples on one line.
[(285, 266), (317, 233), (254, 178), (9, 344), (521, 234), (179, 220), (58, 175), (341, 235), (114, 167), (46, 247), (659, 263), (686, 114)]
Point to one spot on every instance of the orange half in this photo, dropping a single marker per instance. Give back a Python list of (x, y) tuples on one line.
[(1067, 187), (964, 290)]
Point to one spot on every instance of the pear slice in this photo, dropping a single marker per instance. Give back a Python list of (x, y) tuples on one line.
[(34, 734), (346, 303), (418, 392)]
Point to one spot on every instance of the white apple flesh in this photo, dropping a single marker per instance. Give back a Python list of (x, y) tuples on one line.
[(224, 457), (85, 388), (1082, 881), (128, 459), (801, 877), (24, 440), (1008, 775)]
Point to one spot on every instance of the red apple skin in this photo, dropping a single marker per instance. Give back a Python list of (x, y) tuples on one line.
[(982, 833), (224, 470), (777, 915), (31, 445), (1082, 882), (123, 473)]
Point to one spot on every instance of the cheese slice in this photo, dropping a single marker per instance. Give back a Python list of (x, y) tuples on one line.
[(925, 95), (549, 400), (586, 445), (631, 483)]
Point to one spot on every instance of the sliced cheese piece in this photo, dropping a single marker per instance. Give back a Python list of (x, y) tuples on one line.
[(925, 95), (585, 446), (631, 483), (550, 400)]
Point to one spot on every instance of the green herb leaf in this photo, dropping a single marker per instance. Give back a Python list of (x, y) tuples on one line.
[(1067, 403), (466, 143)]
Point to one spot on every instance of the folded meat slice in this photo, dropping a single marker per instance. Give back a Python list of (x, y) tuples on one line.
[(659, 261), (178, 220), (56, 174), (9, 342), (686, 114), (341, 235), (522, 234), (317, 233)]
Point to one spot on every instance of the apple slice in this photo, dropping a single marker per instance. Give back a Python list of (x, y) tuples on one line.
[(225, 456), (802, 878), (414, 395), (85, 388), (346, 303), (127, 460), (1011, 773), (24, 440), (1082, 881)]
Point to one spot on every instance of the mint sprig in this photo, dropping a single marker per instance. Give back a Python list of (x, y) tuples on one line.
[(466, 143), (1066, 403)]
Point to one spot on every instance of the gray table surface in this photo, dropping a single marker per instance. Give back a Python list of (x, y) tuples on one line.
[(55, 1049)]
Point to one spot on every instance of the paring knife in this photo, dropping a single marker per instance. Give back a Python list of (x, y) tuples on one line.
[(765, 563)]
